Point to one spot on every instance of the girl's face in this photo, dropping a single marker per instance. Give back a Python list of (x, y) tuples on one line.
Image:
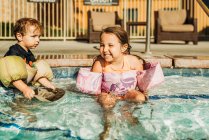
[(31, 38), (110, 47)]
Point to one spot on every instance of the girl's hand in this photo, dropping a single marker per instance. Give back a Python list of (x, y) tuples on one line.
[(106, 100), (135, 96), (28, 93)]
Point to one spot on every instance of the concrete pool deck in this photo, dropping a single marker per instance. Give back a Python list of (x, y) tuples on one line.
[(80, 53)]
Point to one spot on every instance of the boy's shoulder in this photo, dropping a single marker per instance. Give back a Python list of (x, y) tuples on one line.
[(15, 47)]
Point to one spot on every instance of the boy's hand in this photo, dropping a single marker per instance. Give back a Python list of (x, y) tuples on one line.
[(25, 89), (28, 93)]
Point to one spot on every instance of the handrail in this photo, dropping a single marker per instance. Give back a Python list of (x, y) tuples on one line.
[(205, 7)]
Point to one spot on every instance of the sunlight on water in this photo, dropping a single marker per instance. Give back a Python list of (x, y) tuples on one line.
[(177, 109)]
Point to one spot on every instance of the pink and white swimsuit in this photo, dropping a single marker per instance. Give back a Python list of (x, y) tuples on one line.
[(119, 81)]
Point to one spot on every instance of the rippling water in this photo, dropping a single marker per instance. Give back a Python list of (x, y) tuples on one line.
[(177, 109)]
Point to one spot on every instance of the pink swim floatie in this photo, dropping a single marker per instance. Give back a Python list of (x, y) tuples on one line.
[(118, 83), (150, 77), (89, 82)]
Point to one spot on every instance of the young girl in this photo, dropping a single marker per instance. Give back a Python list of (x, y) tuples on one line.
[(119, 68)]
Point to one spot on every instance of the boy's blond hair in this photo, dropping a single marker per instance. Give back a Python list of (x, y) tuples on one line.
[(21, 26)]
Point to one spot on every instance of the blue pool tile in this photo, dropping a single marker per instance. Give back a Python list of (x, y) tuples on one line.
[(65, 72), (57, 72), (169, 71), (71, 72), (205, 72), (191, 72), (60, 72), (158, 97)]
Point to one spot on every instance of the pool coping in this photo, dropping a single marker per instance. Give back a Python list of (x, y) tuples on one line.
[(166, 61)]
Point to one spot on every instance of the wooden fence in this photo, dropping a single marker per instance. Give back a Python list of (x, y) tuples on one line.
[(67, 19)]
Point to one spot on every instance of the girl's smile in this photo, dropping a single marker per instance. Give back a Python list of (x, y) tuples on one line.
[(110, 47)]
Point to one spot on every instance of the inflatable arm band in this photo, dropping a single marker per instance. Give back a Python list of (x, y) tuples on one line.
[(12, 68), (43, 70), (151, 76), (89, 82)]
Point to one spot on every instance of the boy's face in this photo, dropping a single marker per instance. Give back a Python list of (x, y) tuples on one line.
[(30, 40)]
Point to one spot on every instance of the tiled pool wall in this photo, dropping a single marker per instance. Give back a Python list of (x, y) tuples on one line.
[(71, 72), (65, 72), (68, 65)]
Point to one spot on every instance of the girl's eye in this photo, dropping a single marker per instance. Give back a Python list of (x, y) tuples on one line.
[(101, 45), (110, 45)]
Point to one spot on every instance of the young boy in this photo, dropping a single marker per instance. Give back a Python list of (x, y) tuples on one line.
[(27, 31)]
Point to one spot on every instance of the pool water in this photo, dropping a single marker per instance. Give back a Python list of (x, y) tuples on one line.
[(177, 109)]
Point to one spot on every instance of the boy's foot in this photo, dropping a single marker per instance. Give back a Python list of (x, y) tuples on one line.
[(47, 94)]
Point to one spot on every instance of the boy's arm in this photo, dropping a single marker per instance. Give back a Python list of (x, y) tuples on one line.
[(26, 90)]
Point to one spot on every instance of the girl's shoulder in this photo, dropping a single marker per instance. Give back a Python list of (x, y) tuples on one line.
[(99, 59), (98, 64), (135, 62), (134, 58)]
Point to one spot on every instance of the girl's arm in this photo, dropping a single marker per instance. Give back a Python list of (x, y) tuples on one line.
[(136, 95)]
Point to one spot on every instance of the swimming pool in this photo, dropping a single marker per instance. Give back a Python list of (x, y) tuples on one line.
[(177, 109)]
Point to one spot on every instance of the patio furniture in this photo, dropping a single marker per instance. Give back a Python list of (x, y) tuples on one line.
[(100, 20), (132, 24), (175, 25)]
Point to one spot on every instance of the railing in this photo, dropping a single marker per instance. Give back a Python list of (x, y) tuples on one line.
[(67, 19), (205, 5)]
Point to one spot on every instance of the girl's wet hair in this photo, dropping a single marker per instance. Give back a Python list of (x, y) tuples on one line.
[(21, 26), (121, 35)]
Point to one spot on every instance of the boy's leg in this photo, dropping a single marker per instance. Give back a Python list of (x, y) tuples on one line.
[(46, 83)]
